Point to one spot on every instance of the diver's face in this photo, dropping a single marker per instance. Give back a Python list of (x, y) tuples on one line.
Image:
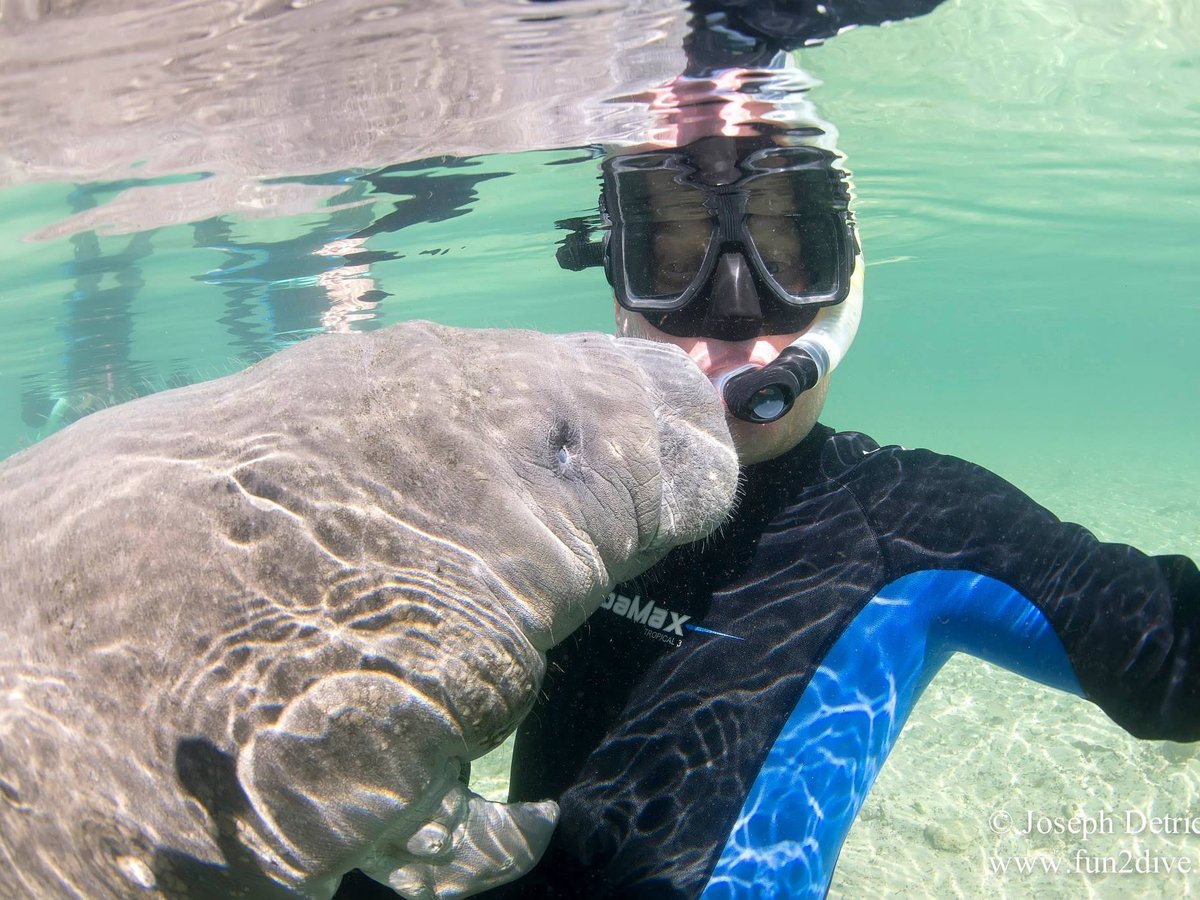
[(734, 303), (755, 443)]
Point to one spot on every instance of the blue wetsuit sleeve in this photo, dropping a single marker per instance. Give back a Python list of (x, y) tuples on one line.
[(787, 837)]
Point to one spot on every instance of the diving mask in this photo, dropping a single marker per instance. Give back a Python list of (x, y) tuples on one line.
[(728, 250)]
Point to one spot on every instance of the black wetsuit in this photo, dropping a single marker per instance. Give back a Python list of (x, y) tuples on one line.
[(713, 730)]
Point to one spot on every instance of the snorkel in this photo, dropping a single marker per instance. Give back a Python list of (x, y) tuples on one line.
[(762, 394)]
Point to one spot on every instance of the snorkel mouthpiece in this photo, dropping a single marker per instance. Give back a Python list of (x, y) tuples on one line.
[(766, 394)]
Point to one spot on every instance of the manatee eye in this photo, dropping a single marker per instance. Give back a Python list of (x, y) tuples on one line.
[(564, 445)]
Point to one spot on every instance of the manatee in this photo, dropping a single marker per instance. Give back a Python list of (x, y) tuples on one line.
[(252, 631)]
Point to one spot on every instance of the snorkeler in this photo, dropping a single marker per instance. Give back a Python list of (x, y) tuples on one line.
[(716, 726), (714, 729)]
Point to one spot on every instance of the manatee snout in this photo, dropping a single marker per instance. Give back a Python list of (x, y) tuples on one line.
[(698, 465)]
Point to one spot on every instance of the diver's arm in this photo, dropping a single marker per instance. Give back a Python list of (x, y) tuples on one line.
[(1111, 624), (1128, 623), (1096, 642)]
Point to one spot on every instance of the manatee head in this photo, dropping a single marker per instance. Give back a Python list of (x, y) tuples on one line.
[(697, 467), (640, 461), (331, 578), (563, 464)]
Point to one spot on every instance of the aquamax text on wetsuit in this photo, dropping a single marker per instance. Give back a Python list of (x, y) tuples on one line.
[(714, 728)]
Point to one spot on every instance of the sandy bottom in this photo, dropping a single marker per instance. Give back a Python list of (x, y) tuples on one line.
[(990, 762), (993, 770)]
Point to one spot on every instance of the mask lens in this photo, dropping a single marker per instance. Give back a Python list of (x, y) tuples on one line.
[(665, 234), (662, 260), (782, 249), (793, 225)]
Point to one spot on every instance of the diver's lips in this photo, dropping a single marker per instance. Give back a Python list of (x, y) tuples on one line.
[(714, 357), (733, 356)]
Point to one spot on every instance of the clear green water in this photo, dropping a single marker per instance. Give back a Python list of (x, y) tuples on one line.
[(93, 319), (1028, 180), (1030, 199)]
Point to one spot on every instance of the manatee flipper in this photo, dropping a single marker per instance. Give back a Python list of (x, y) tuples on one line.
[(362, 771), (473, 845)]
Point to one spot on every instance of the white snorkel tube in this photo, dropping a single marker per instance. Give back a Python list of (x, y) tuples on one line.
[(762, 394)]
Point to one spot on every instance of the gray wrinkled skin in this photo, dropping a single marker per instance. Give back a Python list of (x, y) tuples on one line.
[(251, 629)]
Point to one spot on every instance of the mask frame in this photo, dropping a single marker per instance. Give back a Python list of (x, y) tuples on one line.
[(731, 211)]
